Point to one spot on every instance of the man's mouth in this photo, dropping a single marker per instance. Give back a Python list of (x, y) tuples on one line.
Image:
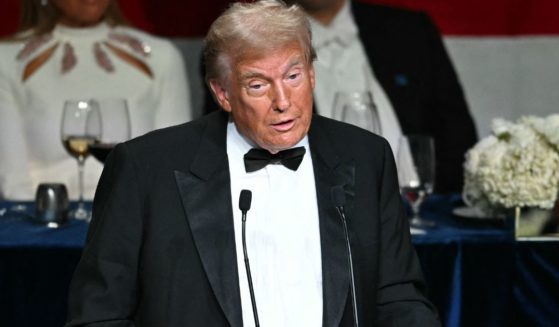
[(284, 125)]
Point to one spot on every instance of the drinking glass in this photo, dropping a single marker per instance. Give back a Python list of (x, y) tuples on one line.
[(51, 204), (80, 128), (416, 173), (357, 108), (115, 119)]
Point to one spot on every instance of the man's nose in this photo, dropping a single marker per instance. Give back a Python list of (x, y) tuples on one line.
[(281, 98)]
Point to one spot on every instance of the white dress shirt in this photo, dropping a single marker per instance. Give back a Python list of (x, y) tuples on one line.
[(282, 237)]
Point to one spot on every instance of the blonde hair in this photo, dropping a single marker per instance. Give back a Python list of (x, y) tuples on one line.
[(253, 29), (41, 19)]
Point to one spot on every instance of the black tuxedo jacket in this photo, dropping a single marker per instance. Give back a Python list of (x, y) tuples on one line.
[(411, 63), (161, 246)]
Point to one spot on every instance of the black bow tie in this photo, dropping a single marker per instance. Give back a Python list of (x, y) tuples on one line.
[(257, 159)]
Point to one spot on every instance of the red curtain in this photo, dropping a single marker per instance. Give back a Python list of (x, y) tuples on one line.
[(9, 16), (187, 18), (488, 17)]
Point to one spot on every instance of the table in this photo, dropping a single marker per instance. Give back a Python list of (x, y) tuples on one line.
[(477, 274), (36, 266)]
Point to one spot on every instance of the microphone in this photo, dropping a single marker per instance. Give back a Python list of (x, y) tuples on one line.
[(338, 198), (245, 200), (244, 205)]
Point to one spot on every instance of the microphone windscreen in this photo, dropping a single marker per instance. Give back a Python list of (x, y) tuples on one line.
[(338, 195), (245, 199)]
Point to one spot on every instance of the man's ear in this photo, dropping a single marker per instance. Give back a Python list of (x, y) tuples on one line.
[(311, 76), (221, 95)]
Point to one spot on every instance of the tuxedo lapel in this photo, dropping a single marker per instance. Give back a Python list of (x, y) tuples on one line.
[(330, 171), (206, 197)]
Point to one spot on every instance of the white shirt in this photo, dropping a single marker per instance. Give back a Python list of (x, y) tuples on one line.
[(282, 237), (342, 65), (31, 151)]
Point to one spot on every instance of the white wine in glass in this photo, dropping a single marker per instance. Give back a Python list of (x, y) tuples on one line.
[(80, 128), (357, 108), (115, 119), (416, 173)]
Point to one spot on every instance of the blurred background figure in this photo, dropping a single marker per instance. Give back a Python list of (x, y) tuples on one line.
[(398, 56), (69, 50)]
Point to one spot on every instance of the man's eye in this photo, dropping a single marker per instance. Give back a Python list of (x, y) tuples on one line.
[(294, 76), (256, 88)]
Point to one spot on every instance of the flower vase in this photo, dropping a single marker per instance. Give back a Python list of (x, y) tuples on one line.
[(536, 223)]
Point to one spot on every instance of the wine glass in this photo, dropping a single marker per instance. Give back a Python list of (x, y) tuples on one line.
[(357, 108), (115, 119), (80, 128), (416, 173)]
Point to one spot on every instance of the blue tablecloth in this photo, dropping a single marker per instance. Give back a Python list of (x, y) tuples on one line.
[(17, 229), (477, 274)]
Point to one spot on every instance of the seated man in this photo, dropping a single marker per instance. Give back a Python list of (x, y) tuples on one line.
[(398, 55), (164, 246)]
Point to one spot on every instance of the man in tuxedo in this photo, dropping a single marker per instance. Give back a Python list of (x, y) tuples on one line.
[(399, 56), (164, 246)]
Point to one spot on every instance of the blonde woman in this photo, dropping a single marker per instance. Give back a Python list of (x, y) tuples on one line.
[(72, 49)]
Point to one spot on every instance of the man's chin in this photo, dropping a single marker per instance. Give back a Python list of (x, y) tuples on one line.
[(280, 146)]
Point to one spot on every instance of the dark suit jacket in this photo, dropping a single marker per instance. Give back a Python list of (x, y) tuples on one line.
[(161, 246), (410, 62), (409, 59)]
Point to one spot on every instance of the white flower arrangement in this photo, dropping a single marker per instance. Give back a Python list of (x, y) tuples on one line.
[(516, 166)]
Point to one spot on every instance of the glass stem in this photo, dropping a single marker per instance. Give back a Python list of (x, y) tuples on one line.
[(415, 209), (81, 162)]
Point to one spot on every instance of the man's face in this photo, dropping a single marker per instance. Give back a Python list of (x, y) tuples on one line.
[(270, 97)]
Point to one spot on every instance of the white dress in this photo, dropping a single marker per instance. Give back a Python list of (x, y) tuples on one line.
[(31, 151)]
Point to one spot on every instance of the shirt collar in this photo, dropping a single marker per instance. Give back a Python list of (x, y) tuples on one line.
[(342, 29)]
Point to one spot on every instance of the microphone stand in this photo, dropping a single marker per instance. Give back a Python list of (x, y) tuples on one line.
[(244, 204), (338, 197)]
